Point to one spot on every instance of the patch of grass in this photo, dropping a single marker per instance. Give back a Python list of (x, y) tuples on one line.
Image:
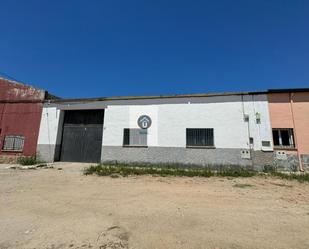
[(125, 170), (269, 169), (27, 160), (303, 177), (237, 172), (115, 170), (242, 185), (163, 170)]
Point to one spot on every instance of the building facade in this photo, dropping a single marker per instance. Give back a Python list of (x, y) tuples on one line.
[(254, 130), (206, 130), (289, 116), (20, 115)]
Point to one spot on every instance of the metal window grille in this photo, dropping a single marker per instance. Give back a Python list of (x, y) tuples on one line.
[(13, 143), (200, 137), (135, 137)]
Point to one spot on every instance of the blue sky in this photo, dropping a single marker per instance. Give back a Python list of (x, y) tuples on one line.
[(150, 47)]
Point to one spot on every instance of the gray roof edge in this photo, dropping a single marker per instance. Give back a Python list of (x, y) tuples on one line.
[(288, 90), (196, 95)]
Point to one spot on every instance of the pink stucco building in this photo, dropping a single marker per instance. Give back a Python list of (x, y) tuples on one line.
[(289, 117)]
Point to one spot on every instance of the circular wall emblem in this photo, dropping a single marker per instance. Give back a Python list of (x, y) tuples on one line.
[(144, 121)]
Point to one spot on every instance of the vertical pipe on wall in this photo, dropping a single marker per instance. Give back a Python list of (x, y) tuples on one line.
[(256, 120), (248, 129), (243, 114), (291, 95)]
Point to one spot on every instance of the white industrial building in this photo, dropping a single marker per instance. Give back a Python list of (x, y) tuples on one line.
[(202, 129)]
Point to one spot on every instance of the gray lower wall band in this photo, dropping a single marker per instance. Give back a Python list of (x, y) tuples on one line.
[(48, 152), (185, 156)]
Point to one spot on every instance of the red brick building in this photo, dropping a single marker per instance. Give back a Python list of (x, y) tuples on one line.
[(20, 116)]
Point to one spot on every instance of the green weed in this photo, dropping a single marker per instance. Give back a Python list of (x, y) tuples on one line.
[(163, 170), (27, 160), (242, 185), (302, 177)]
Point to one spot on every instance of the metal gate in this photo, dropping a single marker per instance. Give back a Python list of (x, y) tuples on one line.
[(82, 136)]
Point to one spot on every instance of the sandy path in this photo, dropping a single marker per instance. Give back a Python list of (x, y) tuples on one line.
[(50, 208)]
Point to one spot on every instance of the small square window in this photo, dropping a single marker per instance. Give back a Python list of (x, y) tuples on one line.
[(13, 143), (251, 140), (135, 137)]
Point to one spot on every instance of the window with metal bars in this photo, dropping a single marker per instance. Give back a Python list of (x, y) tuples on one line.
[(200, 137), (13, 143), (135, 137)]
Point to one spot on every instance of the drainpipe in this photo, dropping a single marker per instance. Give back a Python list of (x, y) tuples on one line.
[(248, 130), (295, 137)]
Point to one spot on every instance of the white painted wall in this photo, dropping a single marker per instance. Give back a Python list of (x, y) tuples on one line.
[(171, 117), (169, 121), (254, 104), (49, 126)]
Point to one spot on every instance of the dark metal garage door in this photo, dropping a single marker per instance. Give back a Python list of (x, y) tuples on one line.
[(82, 136)]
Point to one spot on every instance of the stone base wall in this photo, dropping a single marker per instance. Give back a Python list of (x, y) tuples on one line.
[(9, 159), (213, 158), (262, 160), (290, 164)]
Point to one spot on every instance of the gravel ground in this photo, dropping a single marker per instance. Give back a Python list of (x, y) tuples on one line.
[(53, 208)]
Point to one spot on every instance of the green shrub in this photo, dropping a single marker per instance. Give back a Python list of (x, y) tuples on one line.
[(27, 160)]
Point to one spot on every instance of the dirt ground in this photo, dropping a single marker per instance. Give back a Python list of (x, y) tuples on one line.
[(51, 208)]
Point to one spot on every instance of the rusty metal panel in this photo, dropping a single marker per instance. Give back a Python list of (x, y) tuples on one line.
[(21, 119), (20, 115), (11, 91)]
